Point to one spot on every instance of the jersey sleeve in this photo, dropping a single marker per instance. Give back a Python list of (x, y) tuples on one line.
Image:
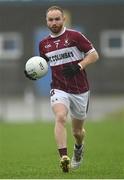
[(41, 51), (84, 44)]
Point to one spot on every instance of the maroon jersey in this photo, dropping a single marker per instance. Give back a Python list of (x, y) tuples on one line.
[(69, 47)]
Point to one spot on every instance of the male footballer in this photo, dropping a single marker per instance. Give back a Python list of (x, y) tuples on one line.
[(69, 52)]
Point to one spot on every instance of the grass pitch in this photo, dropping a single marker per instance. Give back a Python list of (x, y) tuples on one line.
[(28, 151)]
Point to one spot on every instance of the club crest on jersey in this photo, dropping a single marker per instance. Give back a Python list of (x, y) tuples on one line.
[(66, 43)]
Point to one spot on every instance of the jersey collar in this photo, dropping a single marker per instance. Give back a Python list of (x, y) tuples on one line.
[(54, 36)]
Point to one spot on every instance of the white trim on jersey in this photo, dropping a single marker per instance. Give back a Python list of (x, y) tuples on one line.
[(90, 51), (65, 55), (54, 36)]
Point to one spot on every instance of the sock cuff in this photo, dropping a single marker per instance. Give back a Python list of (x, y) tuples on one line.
[(62, 151)]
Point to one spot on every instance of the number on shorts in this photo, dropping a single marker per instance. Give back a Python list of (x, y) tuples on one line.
[(52, 92)]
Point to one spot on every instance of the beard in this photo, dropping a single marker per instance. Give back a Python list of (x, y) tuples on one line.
[(56, 29)]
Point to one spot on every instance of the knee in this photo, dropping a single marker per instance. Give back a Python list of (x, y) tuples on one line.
[(61, 118)]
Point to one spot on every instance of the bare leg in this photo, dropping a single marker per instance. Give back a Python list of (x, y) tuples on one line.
[(78, 131), (60, 111)]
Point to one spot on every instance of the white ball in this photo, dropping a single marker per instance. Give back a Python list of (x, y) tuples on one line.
[(36, 67)]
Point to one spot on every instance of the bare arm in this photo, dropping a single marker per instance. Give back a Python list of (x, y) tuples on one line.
[(89, 58)]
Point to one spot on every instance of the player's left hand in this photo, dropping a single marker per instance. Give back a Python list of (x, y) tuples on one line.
[(70, 70)]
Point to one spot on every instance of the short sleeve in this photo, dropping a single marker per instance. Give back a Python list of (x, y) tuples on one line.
[(84, 44), (41, 51)]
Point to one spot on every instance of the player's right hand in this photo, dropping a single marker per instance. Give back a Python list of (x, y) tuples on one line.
[(28, 76)]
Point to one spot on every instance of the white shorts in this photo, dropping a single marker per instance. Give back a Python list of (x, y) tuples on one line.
[(77, 104)]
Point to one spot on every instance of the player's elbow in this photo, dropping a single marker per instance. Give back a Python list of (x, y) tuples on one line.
[(96, 56)]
